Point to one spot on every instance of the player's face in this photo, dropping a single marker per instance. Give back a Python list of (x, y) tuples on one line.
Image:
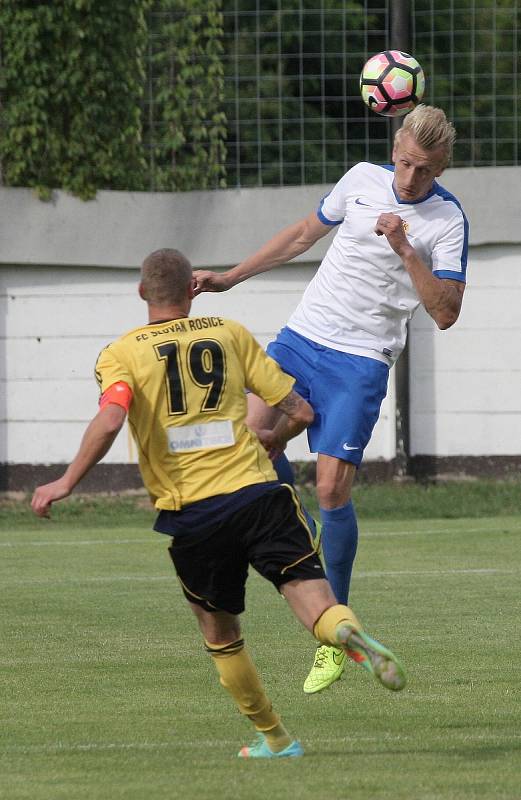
[(415, 168)]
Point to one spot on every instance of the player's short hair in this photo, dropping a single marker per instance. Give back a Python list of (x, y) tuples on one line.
[(430, 128), (165, 277)]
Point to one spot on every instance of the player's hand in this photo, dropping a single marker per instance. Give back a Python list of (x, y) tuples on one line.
[(45, 495), (271, 443), (208, 281), (393, 228)]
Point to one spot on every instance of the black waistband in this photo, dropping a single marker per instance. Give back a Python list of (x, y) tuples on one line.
[(209, 511)]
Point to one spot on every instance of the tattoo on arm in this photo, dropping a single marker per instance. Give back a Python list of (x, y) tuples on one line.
[(290, 404)]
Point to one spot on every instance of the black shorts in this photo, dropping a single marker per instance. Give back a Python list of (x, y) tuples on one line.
[(270, 533)]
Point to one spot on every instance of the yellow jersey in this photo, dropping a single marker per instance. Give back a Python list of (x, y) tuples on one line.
[(187, 416)]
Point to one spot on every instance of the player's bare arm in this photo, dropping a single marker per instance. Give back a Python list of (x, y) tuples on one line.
[(97, 441), (441, 299), (297, 415), (284, 246)]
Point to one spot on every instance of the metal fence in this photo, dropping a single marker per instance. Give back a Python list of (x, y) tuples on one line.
[(292, 102), (470, 52), (292, 89)]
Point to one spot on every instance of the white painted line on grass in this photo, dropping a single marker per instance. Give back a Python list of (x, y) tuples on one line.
[(463, 571), (177, 744), (44, 543), (156, 539), (93, 579), (434, 531), (155, 578), (61, 747)]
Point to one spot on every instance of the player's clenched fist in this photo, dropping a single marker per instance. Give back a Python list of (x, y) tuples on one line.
[(393, 228), (207, 281)]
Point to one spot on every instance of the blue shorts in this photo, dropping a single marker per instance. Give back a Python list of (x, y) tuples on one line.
[(345, 391)]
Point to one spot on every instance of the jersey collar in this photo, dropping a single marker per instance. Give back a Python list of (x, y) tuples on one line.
[(433, 191)]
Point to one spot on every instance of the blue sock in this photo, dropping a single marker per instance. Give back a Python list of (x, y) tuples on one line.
[(339, 542), (285, 474)]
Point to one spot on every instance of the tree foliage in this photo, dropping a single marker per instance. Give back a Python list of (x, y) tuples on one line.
[(470, 54), (163, 94), (186, 127), (297, 91), (72, 83)]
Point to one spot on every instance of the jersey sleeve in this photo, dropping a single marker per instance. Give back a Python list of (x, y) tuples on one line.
[(111, 369), (262, 374), (449, 257), (332, 208)]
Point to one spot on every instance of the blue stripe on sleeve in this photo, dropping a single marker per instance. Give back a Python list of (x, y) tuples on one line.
[(445, 195), (450, 274), (324, 219)]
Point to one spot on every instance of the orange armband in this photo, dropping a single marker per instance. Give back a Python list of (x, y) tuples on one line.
[(119, 393)]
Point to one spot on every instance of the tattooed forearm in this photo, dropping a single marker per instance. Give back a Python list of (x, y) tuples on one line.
[(297, 415), (290, 404)]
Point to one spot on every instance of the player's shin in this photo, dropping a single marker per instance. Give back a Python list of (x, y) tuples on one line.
[(240, 678)]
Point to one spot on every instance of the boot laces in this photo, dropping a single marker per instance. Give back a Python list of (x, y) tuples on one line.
[(321, 657)]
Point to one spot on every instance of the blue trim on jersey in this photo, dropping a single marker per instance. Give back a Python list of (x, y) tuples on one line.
[(413, 202), (425, 197), (324, 219), (390, 168), (450, 274), (432, 192), (449, 197)]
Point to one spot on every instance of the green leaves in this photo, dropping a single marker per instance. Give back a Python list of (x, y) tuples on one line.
[(71, 95), (186, 139), (71, 92)]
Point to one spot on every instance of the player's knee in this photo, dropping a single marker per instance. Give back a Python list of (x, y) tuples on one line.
[(332, 494)]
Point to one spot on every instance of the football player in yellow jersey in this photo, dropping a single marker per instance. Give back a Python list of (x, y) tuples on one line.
[(182, 381)]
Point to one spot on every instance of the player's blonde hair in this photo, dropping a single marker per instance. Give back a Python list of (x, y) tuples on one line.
[(165, 277), (430, 128)]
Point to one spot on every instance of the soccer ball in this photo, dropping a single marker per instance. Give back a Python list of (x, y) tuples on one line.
[(392, 83)]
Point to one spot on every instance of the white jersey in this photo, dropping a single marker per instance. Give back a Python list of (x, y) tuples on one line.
[(362, 296)]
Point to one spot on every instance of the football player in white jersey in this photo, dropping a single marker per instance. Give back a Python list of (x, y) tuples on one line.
[(401, 241)]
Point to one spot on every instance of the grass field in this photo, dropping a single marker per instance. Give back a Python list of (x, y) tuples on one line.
[(107, 692)]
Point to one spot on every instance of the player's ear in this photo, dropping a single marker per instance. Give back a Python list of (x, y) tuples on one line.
[(191, 288), (141, 291)]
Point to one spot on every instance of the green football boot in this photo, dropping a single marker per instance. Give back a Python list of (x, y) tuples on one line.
[(327, 668), (380, 662)]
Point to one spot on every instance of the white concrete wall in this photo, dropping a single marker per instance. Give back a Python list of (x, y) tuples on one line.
[(56, 321), (68, 272), (466, 382)]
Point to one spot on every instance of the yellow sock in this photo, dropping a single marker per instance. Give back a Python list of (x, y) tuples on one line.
[(325, 627), (239, 677), (278, 738)]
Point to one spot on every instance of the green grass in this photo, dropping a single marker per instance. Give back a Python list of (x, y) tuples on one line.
[(107, 692), (445, 500), (392, 500)]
